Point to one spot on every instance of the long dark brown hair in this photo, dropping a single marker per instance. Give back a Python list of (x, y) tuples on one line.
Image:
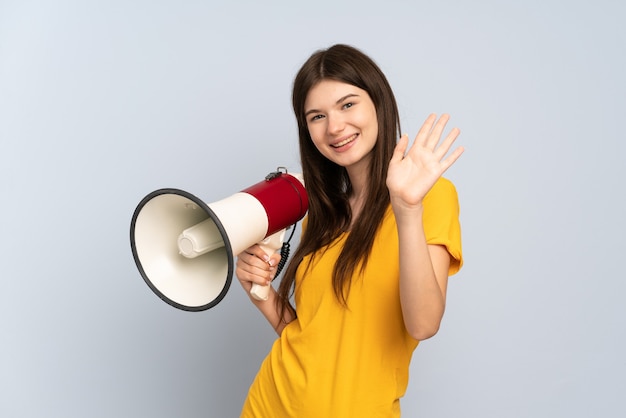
[(327, 184)]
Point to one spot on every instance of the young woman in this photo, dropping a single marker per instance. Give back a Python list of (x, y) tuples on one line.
[(381, 237)]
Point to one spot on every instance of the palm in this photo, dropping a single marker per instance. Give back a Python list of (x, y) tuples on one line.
[(412, 175)]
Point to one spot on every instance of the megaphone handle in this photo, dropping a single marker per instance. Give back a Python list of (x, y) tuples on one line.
[(270, 245)]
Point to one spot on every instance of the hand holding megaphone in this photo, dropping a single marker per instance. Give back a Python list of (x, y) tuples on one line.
[(184, 248)]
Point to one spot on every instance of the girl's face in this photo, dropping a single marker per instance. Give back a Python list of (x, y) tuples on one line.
[(342, 122)]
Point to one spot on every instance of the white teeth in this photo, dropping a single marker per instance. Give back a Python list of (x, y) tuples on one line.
[(345, 141)]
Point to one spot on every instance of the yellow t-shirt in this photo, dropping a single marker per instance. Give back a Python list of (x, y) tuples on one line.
[(334, 361)]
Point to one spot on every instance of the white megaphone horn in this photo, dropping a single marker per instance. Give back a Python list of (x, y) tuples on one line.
[(185, 248)]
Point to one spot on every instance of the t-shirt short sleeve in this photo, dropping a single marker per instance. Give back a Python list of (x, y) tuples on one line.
[(441, 221)]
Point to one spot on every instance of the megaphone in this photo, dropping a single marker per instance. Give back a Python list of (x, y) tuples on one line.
[(184, 248)]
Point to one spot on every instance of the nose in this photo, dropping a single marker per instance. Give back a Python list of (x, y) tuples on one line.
[(336, 124)]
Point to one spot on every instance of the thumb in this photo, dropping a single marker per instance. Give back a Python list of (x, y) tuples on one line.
[(400, 149), (274, 259)]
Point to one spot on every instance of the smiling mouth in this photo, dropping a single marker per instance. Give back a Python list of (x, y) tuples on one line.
[(345, 141)]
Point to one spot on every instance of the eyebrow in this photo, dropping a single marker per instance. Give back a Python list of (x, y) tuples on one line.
[(342, 99)]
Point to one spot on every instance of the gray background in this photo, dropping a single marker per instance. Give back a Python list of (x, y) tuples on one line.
[(102, 102)]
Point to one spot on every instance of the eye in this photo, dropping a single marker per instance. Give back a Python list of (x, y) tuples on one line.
[(316, 117), (348, 105)]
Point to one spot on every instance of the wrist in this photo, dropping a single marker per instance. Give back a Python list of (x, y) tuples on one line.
[(401, 208)]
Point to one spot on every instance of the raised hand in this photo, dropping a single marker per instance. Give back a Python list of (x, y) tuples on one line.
[(412, 174)]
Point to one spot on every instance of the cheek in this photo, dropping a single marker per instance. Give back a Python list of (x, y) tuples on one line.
[(316, 135), (373, 118), (319, 144), (366, 119), (374, 124)]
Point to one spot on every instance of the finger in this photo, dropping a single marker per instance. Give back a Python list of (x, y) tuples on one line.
[(446, 144), (437, 131), (422, 135), (400, 149), (255, 262), (451, 159), (274, 259), (258, 252), (250, 273)]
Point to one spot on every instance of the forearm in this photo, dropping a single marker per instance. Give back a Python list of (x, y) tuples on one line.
[(422, 293)]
